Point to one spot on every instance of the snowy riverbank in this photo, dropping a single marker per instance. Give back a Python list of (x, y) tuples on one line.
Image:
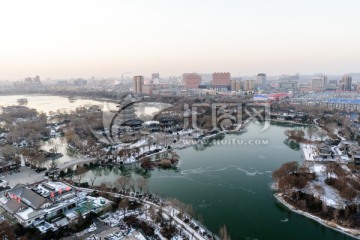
[(350, 232)]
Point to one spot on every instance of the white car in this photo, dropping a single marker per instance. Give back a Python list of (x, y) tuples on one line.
[(93, 237), (91, 229)]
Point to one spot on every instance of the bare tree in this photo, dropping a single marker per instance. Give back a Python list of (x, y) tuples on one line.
[(152, 213), (8, 151), (141, 183), (103, 188), (131, 185), (41, 159), (136, 150), (124, 204), (55, 147), (80, 173), (324, 207), (53, 165), (122, 182), (7, 231), (69, 135), (311, 131), (92, 180), (150, 142), (122, 153), (319, 190), (285, 169), (322, 134)]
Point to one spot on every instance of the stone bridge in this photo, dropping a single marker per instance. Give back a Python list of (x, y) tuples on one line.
[(75, 163)]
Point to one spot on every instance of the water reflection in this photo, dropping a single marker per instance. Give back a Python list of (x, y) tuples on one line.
[(60, 146), (122, 170), (292, 144), (231, 185), (51, 104), (202, 145)]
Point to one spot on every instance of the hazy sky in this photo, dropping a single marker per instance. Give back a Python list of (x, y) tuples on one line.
[(83, 38)]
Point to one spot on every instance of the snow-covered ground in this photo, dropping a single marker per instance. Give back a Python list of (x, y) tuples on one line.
[(336, 131), (115, 219), (183, 132), (310, 153), (319, 188), (316, 137)]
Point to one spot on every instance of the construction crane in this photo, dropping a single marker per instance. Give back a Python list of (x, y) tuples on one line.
[(122, 77)]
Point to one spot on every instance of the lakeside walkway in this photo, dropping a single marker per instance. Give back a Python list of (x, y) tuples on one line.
[(170, 211)]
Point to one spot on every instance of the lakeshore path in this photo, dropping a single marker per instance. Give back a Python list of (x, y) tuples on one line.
[(169, 211)]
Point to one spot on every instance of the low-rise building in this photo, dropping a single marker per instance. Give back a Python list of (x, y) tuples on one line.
[(49, 205)]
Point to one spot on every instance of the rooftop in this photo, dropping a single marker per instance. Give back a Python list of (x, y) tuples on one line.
[(28, 213), (344, 100)]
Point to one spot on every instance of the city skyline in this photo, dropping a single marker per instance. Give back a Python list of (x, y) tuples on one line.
[(65, 39)]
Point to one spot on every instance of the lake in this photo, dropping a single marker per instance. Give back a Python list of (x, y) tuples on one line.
[(225, 184), (231, 185)]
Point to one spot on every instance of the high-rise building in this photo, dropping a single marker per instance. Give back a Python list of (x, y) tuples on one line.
[(191, 80), (32, 81), (295, 77), (261, 80), (147, 89), (332, 85), (155, 76), (345, 83), (80, 82), (221, 81), (319, 82), (235, 84), (138, 83), (37, 79), (249, 85), (288, 85), (356, 87)]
